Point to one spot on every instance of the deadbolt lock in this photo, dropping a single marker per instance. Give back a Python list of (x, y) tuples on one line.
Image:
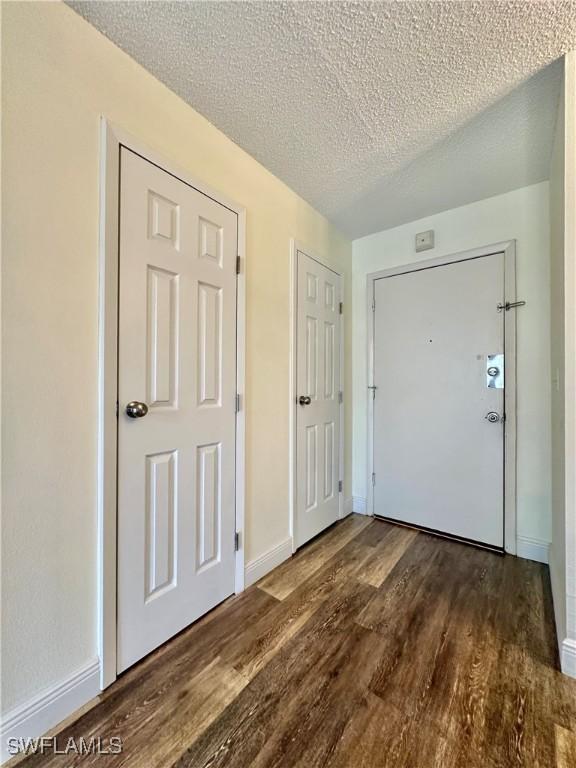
[(495, 371), (492, 417)]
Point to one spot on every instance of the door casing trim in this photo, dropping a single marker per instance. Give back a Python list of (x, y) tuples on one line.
[(111, 139), (295, 247), (508, 248)]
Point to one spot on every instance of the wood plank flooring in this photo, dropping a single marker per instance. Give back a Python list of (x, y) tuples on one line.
[(374, 646)]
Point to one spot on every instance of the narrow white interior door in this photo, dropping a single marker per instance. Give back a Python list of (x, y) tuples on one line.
[(317, 399), (177, 359), (438, 459)]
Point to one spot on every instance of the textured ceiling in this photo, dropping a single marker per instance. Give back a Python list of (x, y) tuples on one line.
[(376, 113)]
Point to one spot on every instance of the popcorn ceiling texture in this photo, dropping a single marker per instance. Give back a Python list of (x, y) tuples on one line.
[(376, 113)]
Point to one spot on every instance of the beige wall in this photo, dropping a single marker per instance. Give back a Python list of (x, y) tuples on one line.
[(557, 549), (563, 356), (59, 76), (568, 657)]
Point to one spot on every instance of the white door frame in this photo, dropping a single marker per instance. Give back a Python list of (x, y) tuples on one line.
[(111, 139), (508, 248), (295, 247)]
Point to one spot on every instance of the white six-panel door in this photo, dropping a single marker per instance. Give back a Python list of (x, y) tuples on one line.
[(176, 464), (438, 461), (318, 380)]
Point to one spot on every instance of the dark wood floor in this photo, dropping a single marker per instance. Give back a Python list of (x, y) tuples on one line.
[(374, 646)]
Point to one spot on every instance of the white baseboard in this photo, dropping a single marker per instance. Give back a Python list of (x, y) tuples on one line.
[(37, 716), (258, 568), (359, 505), (348, 507), (532, 549), (568, 657), (558, 598)]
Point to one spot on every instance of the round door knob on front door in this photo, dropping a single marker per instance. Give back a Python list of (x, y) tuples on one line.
[(492, 417), (304, 400), (136, 409)]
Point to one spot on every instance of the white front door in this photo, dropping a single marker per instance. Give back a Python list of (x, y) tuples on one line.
[(438, 459), (317, 399), (177, 357)]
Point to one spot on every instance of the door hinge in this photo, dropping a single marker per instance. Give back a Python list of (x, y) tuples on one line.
[(117, 408), (510, 305), (373, 478), (373, 305), (340, 397), (373, 388), (341, 307), (236, 541), (237, 403), (237, 265), (339, 486)]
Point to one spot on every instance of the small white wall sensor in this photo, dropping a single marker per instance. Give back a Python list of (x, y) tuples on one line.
[(425, 240)]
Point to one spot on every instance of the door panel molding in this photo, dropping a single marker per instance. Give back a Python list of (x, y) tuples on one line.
[(508, 248), (164, 223), (327, 299)]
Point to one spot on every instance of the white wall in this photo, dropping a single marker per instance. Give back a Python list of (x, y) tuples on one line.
[(563, 356), (520, 215), (557, 304), (59, 75)]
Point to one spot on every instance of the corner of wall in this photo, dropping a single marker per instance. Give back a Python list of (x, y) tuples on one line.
[(275, 556), (360, 505), (49, 708)]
